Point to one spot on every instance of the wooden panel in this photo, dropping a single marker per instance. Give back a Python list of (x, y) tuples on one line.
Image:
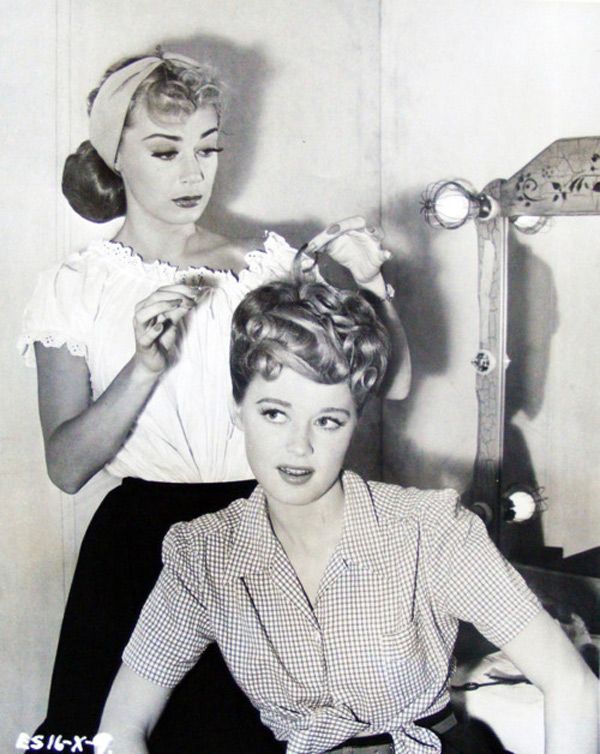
[(564, 179), (490, 362)]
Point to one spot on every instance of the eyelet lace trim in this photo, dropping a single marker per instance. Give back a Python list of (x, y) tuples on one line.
[(274, 260), (49, 340), (164, 270), (159, 268)]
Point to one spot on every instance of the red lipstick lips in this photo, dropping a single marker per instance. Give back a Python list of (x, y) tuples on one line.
[(295, 474), (188, 201)]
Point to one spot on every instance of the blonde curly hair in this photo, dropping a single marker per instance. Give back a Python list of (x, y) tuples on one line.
[(323, 333)]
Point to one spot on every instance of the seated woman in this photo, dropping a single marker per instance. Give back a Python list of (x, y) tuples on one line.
[(334, 601)]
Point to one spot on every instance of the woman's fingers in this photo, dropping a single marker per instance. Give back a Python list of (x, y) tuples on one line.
[(156, 317), (176, 314), (360, 252), (187, 287), (153, 321), (148, 336), (369, 244), (335, 230), (167, 338), (169, 293), (161, 310)]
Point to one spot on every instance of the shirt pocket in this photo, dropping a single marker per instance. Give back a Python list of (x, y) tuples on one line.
[(405, 667), (265, 675)]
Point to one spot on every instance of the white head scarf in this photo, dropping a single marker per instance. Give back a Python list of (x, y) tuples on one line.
[(110, 107)]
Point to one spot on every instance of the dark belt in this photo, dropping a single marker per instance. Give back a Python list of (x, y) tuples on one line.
[(439, 722)]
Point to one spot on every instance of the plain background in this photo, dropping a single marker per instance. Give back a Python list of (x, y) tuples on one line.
[(338, 107)]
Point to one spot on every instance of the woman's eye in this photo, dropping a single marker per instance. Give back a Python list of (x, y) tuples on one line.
[(329, 422), (209, 151), (273, 415), (167, 155)]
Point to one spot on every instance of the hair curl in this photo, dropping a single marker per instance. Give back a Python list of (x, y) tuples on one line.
[(323, 333), (173, 90)]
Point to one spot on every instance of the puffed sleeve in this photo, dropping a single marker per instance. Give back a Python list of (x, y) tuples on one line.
[(63, 307), (274, 262), (472, 580), (174, 627)]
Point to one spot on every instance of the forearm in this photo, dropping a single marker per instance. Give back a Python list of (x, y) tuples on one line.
[(397, 384), (124, 735), (122, 742), (571, 717), (399, 374), (545, 655), (81, 446), (132, 709)]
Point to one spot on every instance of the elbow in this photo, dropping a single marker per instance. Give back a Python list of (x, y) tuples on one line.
[(69, 487), (65, 466), (64, 476), (64, 482)]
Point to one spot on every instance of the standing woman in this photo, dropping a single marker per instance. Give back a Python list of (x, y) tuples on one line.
[(148, 402)]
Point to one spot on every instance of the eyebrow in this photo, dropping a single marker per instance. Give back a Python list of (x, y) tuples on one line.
[(171, 137), (329, 409), (336, 409)]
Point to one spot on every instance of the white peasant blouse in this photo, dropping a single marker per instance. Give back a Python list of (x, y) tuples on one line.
[(185, 432)]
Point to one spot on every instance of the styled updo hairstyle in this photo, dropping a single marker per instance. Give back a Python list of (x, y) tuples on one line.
[(323, 333), (172, 90)]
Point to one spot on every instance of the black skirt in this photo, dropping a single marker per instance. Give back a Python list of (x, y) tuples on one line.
[(119, 562)]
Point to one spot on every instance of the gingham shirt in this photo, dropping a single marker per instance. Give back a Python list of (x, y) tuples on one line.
[(374, 653)]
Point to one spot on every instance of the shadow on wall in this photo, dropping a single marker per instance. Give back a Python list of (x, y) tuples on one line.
[(532, 320), (421, 307), (245, 73)]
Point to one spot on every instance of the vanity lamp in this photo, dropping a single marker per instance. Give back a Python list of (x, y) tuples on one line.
[(451, 203)]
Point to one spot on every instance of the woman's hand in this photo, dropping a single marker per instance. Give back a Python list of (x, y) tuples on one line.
[(80, 434), (357, 247), (155, 323)]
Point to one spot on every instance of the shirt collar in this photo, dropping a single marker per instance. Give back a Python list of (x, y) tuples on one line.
[(254, 543), (361, 542)]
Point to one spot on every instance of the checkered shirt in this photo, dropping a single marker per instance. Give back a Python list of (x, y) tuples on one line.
[(374, 654)]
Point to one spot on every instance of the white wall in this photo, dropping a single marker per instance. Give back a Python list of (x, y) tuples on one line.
[(558, 411), (302, 150), (31, 531), (475, 90)]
